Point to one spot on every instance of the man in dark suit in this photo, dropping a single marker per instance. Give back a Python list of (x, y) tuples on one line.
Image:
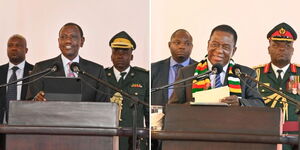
[(70, 40), (133, 80), (221, 47), (163, 72), (16, 51), (281, 75)]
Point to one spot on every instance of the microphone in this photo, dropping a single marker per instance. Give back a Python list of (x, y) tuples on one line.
[(54, 67), (216, 69), (75, 67), (237, 71)]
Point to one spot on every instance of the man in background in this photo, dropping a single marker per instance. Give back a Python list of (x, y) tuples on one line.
[(165, 71), (16, 68), (133, 80)]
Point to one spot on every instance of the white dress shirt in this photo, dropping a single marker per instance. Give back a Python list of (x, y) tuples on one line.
[(118, 73), (65, 62), (19, 74), (213, 76)]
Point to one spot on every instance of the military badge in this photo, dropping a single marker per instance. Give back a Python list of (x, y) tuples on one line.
[(293, 85), (136, 85)]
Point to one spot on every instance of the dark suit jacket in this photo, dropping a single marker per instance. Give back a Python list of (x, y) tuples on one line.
[(3, 80), (160, 77), (250, 97), (88, 93)]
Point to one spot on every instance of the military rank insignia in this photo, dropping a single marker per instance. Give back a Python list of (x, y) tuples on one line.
[(293, 85), (136, 85)]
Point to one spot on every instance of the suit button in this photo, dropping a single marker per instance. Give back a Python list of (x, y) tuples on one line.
[(136, 94)]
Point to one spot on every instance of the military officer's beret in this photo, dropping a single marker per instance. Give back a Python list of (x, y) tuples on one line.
[(282, 32), (122, 40)]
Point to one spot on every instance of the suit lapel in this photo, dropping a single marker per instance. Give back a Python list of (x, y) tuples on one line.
[(4, 71), (111, 76), (165, 75), (27, 69), (271, 75)]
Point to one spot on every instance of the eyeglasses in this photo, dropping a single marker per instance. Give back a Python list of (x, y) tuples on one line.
[(226, 47), (177, 43)]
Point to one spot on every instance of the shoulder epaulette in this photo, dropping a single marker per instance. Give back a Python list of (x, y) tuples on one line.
[(140, 69), (267, 67), (259, 66), (297, 65), (293, 68)]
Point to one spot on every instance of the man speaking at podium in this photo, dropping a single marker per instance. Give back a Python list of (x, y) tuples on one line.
[(70, 40), (221, 47)]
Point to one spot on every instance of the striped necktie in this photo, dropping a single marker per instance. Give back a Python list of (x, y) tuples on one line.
[(218, 82)]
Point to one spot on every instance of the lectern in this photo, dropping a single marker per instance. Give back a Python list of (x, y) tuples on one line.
[(57, 125), (217, 127)]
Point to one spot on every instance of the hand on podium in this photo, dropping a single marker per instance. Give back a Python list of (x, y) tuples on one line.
[(40, 96), (231, 100)]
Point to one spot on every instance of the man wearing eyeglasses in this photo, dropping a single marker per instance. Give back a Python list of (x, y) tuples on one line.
[(221, 48), (165, 71)]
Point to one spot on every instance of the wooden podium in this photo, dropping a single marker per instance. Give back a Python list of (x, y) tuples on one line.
[(215, 127), (61, 126)]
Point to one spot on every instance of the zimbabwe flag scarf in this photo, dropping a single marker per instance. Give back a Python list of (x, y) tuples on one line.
[(233, 83)]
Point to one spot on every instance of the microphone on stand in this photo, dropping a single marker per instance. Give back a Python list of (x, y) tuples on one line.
[(76, 68), (216, 69), (237, 71), (54, 67)]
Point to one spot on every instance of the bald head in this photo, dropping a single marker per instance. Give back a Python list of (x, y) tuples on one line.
[(181, 45), (16, 49)]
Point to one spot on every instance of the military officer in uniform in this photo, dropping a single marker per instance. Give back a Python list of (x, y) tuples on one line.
[(281, 75), (133, 80)]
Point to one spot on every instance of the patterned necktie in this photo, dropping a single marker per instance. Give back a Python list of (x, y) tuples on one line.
[(11, 90), (279, 71), (121, 80), (70, 72), (218, 82), (176, 68)]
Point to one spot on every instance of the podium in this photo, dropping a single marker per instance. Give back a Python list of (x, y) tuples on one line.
[(61, 126), (215, 127)]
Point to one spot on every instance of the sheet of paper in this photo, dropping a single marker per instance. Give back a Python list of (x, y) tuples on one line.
[(211, 96)]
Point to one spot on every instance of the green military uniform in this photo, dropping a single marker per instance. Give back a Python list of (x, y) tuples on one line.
[(281, 39), (136, 83), (266, 74)]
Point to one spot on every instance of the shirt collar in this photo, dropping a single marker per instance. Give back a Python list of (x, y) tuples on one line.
[(284, 69), (65, 60), (117, 72), (20, 65), (185, 63)]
